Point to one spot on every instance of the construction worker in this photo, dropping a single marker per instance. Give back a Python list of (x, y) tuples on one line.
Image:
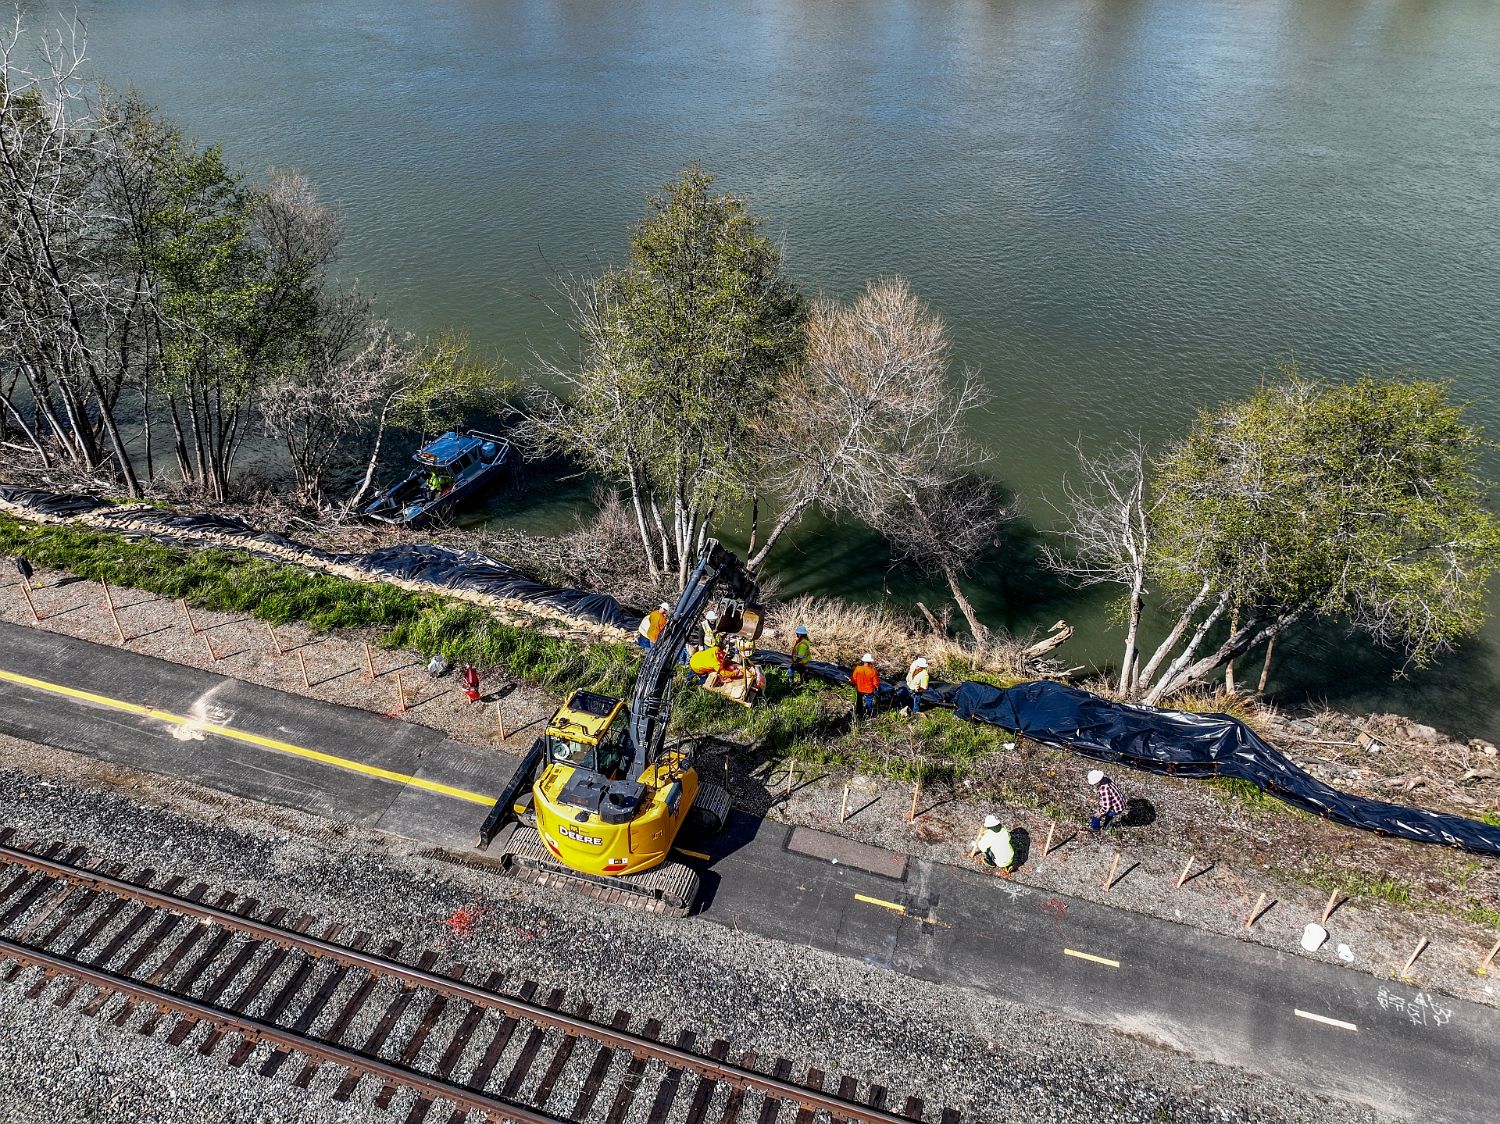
[(916, 682), (434, 484), (994, 847), (709, 661), (711, 629), (651, 625), (866, 680), (801, 655), (1111, 803), (471, 682)]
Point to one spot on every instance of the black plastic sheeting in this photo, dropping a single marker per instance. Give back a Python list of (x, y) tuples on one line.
[(436, 565), (470, 570), (1174, 743), (50, 503)]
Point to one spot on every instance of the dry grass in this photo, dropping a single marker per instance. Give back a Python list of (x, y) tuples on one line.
[(841, 632)]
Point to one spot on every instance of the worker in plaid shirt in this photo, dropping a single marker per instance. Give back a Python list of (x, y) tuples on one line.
[(1111, 803)]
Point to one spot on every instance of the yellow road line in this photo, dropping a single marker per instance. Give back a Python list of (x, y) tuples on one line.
[(248, 738), (1340, 1023), (693, 854), (901, 909), (1091, 957)]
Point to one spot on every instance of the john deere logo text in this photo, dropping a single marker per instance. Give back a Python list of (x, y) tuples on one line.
[(579, 837)]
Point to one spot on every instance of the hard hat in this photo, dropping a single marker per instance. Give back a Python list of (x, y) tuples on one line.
[(712, 614), (666, 606), (992, 820), (801, 630), (867, 658), (921, 661), (1095, 776)]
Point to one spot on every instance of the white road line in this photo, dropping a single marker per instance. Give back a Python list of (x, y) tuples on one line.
[(1340, 1023)]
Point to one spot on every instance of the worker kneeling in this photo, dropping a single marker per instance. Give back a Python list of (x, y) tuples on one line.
[(723, 676), (994, 847)]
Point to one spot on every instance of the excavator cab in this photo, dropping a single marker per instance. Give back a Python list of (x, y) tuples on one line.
[(586, 733)]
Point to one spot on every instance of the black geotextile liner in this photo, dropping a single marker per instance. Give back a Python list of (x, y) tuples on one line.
[(50, 503), (469, 570), (1177, 744)]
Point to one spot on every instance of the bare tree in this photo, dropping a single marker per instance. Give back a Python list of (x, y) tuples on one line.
[(425, 387), (61, 307), (873, 424), (338, 391), (944, 528), (1108, 530)]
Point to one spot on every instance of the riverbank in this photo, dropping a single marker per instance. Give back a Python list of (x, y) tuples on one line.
[(1241, 843)]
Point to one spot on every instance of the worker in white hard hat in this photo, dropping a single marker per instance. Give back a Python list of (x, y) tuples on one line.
[(994, 847), (801, 655), (916, 682), (652, 624), (711, 636), (1111, 803), (866, 680)]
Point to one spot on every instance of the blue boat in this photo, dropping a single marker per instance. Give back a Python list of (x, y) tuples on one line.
[(454, 468)]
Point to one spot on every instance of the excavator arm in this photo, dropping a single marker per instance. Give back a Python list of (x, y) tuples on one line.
[(719, 573)]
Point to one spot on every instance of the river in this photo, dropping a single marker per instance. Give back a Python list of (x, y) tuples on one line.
[(1127, 210)]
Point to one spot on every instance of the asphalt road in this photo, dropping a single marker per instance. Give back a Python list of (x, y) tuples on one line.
[(1327, 1029)]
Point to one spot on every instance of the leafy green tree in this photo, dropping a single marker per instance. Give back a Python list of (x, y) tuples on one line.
[(681, 350), (1353, 502)]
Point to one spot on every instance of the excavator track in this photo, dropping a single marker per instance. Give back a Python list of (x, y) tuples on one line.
[(670, 888), (710, 810)]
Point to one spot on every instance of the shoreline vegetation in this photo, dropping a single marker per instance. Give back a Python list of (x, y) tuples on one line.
[(161, 309)]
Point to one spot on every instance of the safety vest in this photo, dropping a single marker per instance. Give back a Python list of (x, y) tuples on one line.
[(994, 844), (916, 680), (706, 660), (802, 652), (866, 678), (652, 624), (710, 634)]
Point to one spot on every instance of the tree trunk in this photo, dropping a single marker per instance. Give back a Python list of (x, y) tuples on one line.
[(785, 520), (1164, 649), (364, 484), (1234, 627), (1265, 668), (1173, 678), (146, 427), (640, 523), (1249, 637), (980, 632), (1132, 632)]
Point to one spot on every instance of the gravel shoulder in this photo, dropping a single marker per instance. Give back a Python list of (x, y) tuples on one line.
[(991, 1059)]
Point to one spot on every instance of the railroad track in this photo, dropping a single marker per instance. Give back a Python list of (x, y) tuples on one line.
[(290, 997)]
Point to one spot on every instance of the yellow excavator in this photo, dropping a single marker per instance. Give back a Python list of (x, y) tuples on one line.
[(599, 799)]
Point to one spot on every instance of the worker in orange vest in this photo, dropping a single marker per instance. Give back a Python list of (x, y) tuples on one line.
[(651, 625), (866, 680)]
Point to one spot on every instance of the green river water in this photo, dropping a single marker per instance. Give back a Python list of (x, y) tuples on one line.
[(1127, 210)]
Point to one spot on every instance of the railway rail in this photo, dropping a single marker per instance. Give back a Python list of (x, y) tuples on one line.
[(293, 996)]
